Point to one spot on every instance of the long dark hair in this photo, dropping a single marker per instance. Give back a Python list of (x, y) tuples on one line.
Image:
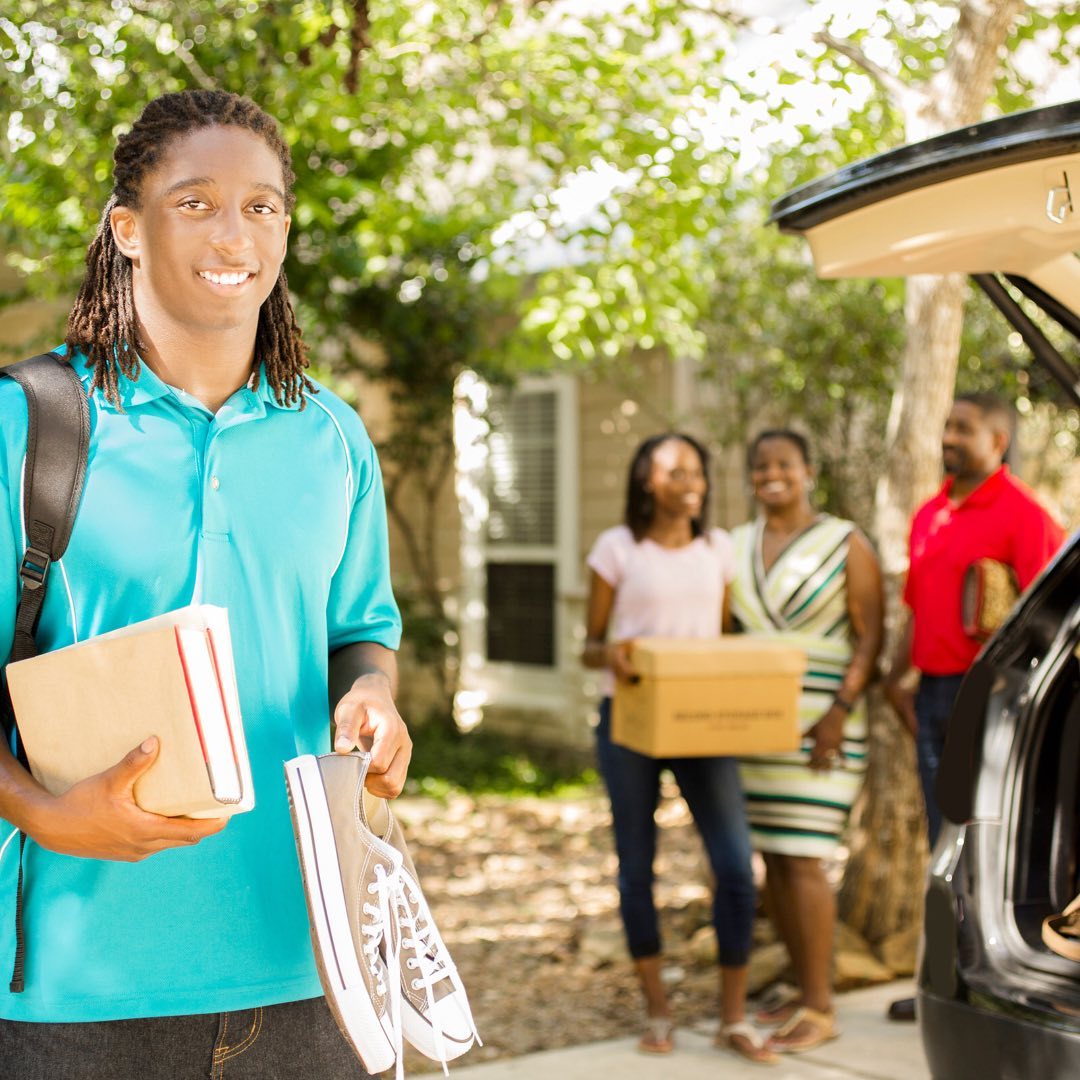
[(640, 508), (102, 322)]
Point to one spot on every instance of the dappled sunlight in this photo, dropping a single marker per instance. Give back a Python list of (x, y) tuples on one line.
[(524, 893)]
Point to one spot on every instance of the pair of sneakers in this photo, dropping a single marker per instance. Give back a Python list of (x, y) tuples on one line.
[(383, 966)]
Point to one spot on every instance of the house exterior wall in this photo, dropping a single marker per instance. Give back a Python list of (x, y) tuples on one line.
[(611, 416)]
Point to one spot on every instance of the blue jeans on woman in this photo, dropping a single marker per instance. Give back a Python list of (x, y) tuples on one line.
[(713, 792)]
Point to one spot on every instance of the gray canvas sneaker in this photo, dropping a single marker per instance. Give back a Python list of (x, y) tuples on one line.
[(376, 912), (340, 879), (435, 1013)]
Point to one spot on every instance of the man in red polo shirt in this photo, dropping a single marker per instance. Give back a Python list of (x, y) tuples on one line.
[(981, 512)]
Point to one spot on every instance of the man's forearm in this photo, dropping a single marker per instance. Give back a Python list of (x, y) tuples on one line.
[(20, 793), (350, 662)]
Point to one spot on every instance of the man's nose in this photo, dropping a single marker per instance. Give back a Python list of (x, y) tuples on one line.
[(232, 235)]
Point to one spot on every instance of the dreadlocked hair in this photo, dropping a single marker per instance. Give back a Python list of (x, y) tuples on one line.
[(102, 321)]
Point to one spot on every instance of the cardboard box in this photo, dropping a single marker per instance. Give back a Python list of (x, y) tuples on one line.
[(730, 695)]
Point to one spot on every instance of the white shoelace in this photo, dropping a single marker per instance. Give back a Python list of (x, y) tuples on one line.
[(430, 956), (402, 920), (380, 930)]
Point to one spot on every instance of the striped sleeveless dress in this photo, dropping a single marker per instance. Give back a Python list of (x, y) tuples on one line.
[(801, 600)]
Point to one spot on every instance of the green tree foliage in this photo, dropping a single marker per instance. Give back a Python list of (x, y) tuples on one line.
[(786, 347), (514, 184), (487, 185), (419, 131)]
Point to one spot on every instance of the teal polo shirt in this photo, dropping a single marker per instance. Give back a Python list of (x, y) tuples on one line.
[(277, 514)]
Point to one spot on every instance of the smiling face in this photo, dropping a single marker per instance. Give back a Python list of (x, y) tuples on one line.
[(208, 238), (972, 446), (677, 480), (779, 474)]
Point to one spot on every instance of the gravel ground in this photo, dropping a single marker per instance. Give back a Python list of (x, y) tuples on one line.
[(523, 892)]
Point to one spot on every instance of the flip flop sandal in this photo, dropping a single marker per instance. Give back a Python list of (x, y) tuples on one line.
[(756, 1050), (780, 1012), (659, 1037), (822, 1029)]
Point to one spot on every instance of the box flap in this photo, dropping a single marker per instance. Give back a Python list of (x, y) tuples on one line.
[(728, 655)]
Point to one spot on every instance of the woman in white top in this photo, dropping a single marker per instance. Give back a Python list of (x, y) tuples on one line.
[(664, 574)]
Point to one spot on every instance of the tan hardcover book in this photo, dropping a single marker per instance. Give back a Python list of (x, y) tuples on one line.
[(82, 708)]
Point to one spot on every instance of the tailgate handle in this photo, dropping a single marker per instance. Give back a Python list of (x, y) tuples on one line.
[(1059, 201)]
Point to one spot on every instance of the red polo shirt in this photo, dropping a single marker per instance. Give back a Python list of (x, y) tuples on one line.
[(1001, 519)]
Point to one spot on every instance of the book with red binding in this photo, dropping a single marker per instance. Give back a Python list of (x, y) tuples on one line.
[(80, 709)]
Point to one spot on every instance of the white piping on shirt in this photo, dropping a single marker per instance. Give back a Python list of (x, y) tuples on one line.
[(348, 477), (11, 836)]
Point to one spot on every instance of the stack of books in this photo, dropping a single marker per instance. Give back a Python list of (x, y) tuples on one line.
[(80, 709)]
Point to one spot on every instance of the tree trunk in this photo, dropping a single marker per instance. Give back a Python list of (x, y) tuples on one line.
[(887, 839)]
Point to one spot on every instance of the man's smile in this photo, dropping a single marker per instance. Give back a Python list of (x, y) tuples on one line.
[(227, 277)]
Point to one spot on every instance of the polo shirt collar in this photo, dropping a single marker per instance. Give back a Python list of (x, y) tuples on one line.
[(985, 493), (148, 386), (265, 392), (131, 392)]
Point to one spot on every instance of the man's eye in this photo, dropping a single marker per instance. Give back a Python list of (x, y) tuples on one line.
[(193, 204), (264, 208)]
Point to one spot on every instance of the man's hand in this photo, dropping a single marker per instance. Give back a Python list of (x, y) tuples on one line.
[(98, 817), (367, 717)]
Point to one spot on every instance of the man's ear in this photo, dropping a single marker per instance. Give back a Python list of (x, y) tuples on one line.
[(1001, 442), (125, 229), (285, 238)]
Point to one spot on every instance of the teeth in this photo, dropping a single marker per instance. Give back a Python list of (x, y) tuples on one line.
[(235, 278)]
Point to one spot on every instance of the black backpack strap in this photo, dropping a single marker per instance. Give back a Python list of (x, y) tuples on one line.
[(57, 442)]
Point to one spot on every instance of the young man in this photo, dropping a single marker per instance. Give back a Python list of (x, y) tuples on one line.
[(219, 473), (982, 511)]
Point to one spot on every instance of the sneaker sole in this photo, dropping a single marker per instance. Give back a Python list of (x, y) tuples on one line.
[(335, 955)]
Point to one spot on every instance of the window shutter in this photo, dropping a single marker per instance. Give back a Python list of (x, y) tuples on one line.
[(522, 463)]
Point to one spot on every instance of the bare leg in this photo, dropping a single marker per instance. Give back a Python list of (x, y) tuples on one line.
[(811, 909), (812, 913), (778, 897), (652, 986), (746, 1043), (658, 1031), (733, 993)]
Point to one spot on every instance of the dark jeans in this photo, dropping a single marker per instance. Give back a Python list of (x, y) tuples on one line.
[(296, 1041), (933, 706), (712, 790)]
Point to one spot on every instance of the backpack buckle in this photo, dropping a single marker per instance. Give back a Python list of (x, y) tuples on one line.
[(34, 568)]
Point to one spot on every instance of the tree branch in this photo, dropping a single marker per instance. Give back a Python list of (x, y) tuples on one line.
[(897, 90)]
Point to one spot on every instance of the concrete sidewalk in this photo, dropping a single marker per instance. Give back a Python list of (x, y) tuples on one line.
[(870, 1048)]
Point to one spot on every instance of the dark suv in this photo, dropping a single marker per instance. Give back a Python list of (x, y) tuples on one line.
[(999, 201)]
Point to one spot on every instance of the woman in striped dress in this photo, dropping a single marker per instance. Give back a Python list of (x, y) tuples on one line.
[(811, 580)]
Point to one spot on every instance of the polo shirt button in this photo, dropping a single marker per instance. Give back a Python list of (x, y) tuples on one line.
[(215, 483)]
